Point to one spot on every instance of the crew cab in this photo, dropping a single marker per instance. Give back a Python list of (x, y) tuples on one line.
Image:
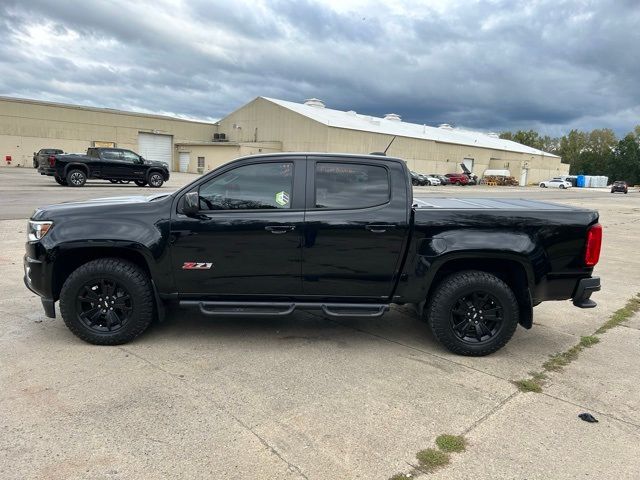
[(113, 164), (267, 235)]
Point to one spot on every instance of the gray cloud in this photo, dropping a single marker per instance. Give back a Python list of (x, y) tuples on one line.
[(550, 65)]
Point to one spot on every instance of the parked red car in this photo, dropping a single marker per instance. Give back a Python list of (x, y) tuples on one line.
[(458, 178)]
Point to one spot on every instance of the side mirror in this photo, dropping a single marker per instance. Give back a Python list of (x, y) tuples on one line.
[(191, 204)]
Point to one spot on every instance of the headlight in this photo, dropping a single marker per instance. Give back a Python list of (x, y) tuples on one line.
[(37, 230)]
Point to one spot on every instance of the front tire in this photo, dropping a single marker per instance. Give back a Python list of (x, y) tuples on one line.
[(473, 313), (108, 301), (155, 180), (542, 185), (76, 178)]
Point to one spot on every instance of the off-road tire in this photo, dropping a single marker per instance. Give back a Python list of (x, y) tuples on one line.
[(463, 283), (126, 273), (76, 178)]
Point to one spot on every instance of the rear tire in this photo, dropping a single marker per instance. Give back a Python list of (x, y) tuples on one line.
[(473, 313), (76, 178), (542, 185), (140, 183), (60, 181), (108, 301), (155, 180)]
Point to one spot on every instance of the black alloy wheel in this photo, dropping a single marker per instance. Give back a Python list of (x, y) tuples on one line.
[(155, 180), (104, 305), (76, 178), (476, 317)]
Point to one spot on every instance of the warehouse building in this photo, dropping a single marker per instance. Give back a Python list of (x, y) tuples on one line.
[(264, 125), (268, 124), (26, 126)]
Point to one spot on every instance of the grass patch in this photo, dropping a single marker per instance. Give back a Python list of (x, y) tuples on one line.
[(430, 459), (401, 476), (621, 315), (528, 385), (588, 341), (451, 443)]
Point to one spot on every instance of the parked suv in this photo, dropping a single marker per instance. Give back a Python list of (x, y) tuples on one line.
[(458, 178), (619, 186)]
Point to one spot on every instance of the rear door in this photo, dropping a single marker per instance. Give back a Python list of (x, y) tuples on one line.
[(356, 225)]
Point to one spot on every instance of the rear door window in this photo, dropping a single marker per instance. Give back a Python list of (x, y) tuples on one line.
[(350, 185)]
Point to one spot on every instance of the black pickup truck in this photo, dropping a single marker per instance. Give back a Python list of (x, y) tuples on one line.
[(113, 164), (269, 234)]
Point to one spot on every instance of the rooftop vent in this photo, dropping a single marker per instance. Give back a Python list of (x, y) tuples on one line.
[(314, 102), (394, 117), (445, 126), (493, 135)]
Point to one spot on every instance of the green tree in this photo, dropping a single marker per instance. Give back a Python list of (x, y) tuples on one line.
[(571, 146), (625, 160)]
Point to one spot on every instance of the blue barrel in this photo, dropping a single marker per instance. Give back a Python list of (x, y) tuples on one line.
[(580, 181)]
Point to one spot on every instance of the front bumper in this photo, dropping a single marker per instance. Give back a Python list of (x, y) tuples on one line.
[(584, 289)]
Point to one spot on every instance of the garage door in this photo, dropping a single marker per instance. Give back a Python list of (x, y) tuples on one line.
[(156, 147)]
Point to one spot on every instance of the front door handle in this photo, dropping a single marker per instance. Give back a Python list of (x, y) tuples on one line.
[(379, 228), (278, 229)]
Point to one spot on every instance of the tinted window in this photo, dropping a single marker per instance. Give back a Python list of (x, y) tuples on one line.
[(129, 157), (112, 154), (350, 185), (258, 186)]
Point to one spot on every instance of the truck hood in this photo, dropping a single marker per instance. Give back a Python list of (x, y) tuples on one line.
[(95, 205)]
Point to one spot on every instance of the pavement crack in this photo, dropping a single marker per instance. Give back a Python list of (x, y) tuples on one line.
[(495, 409), (292, 467)]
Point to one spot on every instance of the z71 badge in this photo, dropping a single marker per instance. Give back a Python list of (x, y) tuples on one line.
[(196, 266)]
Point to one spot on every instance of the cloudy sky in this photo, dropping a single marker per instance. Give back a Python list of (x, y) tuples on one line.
[(494, 65)]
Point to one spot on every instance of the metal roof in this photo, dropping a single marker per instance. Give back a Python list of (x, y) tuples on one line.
[(367, 123)]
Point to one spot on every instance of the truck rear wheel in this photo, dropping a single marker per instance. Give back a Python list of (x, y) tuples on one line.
[(76, 178), (473, 313), (60, 181), (108, 301)]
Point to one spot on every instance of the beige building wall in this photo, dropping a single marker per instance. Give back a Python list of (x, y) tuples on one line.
[(216, 154), (27, 126)]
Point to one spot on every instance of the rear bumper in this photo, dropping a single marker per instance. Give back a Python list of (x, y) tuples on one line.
[(47, 171), (584, 289)]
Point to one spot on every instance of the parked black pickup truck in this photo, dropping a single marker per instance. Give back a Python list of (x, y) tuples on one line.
[(270, 234), (114, 164)]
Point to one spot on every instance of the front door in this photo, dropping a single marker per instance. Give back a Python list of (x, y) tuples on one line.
[(355, 229), (246, 239)]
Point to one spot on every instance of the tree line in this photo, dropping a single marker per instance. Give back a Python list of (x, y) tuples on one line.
[(598, 152)]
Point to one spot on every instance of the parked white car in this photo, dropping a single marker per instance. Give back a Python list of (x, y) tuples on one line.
[(433, 180), (555, 183)]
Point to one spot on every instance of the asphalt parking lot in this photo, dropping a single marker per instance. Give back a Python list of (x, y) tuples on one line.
[(306, 397)]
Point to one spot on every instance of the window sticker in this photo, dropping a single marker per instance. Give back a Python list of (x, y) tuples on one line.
[(282, 198)]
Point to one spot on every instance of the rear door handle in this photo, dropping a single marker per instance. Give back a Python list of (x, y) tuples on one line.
[(379, 228), (278, 229)]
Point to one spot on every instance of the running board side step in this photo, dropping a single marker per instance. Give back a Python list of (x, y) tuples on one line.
[(281, 309)]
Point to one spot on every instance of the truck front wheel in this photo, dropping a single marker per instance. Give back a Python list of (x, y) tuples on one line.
[(108, 301), (155, 180), (473, 313)]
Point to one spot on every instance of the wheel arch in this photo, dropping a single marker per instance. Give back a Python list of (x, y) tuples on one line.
[(68, 260), (514, 271), (76, 166)]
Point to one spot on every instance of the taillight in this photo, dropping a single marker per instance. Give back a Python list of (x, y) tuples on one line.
[(592, 248), (52, 160)]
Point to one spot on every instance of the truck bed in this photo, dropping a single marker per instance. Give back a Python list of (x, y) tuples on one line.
[(485, 204)]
